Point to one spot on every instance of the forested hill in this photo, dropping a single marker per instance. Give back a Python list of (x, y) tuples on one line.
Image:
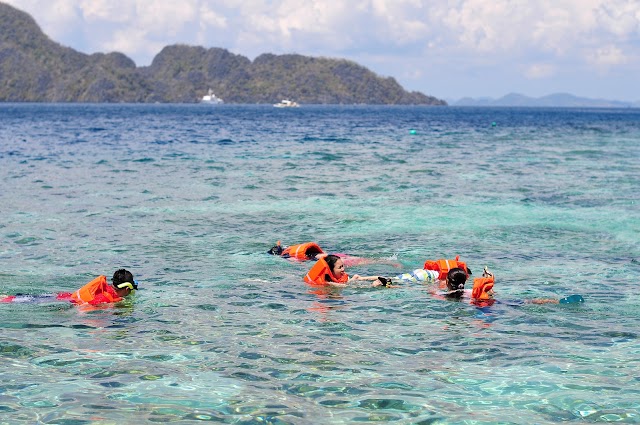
[(34, 68)]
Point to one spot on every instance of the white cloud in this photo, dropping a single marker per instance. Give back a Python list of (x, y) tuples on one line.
[(607, 56), (105, 10), (208, 18), (536, 39), (539, 70), (166, 18), (130, 41), (479, 25), (621, 18), (482, 26)]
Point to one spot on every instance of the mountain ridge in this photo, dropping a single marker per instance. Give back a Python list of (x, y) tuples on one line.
[(34, 68)]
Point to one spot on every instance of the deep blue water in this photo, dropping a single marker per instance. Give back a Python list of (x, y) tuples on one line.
[(190, 197)]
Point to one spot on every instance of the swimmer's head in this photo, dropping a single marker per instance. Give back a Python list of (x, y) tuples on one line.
[(331, 261), (312, 252), (276, 249), (123, 282), (383, 281), (336, 265), (456, 278)]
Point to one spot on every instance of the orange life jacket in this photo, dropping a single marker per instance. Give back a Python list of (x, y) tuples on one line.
[(443, 266), (299, 252), (88, 292), (481, 287), (319, 272)]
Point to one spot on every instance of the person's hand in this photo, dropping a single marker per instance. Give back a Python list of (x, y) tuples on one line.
[(486, 272)]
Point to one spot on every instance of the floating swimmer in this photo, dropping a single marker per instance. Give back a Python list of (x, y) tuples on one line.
[(301, 252), (453, 287), (312, 251), (329, 271), (443, 266), (482, 294), (453, 284), (433, 271), (416, 276), (98, 291), (482, 291)]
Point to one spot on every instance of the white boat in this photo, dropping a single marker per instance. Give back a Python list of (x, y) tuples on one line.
[(211, 98), (286, 103)]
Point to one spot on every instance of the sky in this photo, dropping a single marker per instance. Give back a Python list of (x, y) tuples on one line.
[(444, 48)]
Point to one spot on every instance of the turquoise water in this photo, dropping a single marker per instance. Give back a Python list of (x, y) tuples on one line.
[(189, 198)]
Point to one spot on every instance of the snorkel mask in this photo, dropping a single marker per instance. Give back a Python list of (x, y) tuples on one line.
[(276, 250), (132, 286)]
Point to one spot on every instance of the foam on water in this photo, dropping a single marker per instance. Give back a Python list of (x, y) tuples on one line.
[(190, 199)]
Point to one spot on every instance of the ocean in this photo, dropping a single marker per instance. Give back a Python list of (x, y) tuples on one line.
[(190, 198)]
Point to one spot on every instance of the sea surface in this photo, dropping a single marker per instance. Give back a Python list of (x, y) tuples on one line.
[(190, 198)]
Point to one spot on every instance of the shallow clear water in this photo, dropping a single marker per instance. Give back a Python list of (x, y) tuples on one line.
[(189, 198)]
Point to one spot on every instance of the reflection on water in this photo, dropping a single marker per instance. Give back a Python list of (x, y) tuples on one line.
[(190, 200)]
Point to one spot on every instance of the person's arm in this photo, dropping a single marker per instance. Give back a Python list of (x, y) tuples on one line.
[(358, 277), (543, 301), (571, 299), (377, 280)]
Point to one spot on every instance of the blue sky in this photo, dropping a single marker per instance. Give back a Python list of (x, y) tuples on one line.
[(445, 48)]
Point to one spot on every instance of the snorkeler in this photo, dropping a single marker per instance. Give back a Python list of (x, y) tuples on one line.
[(312, 251), (98, 291), (329, 271), (453, 287), (300, 252), (482, 293), (443, 266), (433, 271)]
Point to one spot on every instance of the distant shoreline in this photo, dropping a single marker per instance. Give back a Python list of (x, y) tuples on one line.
[(309, 106), (564, 100)]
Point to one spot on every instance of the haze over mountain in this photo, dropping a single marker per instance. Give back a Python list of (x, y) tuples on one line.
[(34, 68), (564, 100)]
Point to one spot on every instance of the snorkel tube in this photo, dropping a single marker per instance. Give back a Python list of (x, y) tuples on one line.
[(132, 286)]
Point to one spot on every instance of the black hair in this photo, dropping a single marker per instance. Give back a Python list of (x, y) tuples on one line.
[(122, 276), (311, 252), (275, 250), (456, 278), (384, 281), (331, 261)]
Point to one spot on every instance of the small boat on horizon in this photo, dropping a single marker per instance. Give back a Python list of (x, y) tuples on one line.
[(286, 103), (211, 98)]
